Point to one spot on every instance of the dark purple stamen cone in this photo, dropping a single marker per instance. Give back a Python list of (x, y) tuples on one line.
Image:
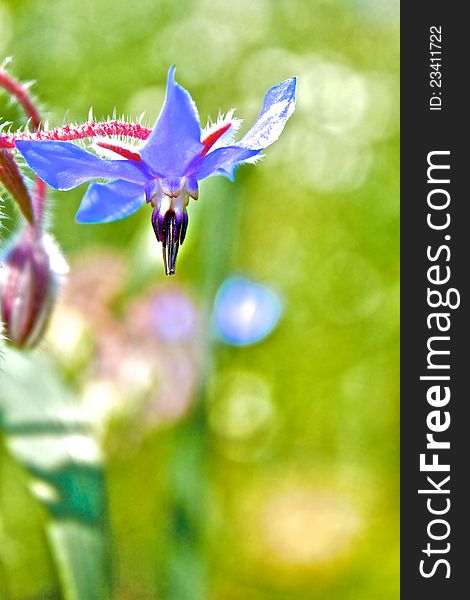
[(158, 223), (184, 227), (170, 230)]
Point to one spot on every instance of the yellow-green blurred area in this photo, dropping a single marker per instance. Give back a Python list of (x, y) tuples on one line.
[(213, 471)]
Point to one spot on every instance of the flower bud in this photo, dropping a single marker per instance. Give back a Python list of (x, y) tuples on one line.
[(29, 280)]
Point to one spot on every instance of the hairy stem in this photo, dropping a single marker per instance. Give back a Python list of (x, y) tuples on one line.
[(20, 94), (68, 133), (14, 183)]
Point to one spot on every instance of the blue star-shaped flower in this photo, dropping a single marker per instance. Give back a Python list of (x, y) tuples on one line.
[(166, 170)]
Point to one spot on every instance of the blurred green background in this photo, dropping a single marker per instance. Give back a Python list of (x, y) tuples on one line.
[(137, 463)]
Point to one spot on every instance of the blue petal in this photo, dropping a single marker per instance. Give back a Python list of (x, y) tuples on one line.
[(64, 165), (222, 161), (176, 137), (109, 202), (278, 105)]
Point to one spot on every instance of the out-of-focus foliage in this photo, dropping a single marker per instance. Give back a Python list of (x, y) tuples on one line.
[(231, 472)]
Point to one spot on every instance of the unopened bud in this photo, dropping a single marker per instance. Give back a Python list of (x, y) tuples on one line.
[(30, 276)]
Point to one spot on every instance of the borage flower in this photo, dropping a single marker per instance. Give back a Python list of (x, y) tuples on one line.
[(166, 169)]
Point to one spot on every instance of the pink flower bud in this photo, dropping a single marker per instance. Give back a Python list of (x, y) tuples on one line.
[(29, 280)]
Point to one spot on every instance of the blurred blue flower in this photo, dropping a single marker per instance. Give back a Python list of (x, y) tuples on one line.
[(245, 312), (167, 168)]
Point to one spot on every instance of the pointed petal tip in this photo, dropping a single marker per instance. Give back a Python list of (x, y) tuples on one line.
[(278, 106), (64, 165), (293, 83), (80, 219), (170, 80), (288, 87), (25, 146), (285, 90), (41, 165), (176, 137)]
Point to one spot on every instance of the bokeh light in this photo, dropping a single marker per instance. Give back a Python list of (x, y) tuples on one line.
[(302, 526), (245, 312), (173, 316)]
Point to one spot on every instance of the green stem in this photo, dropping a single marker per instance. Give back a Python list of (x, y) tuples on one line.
[(4, 584), (191, 465)]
